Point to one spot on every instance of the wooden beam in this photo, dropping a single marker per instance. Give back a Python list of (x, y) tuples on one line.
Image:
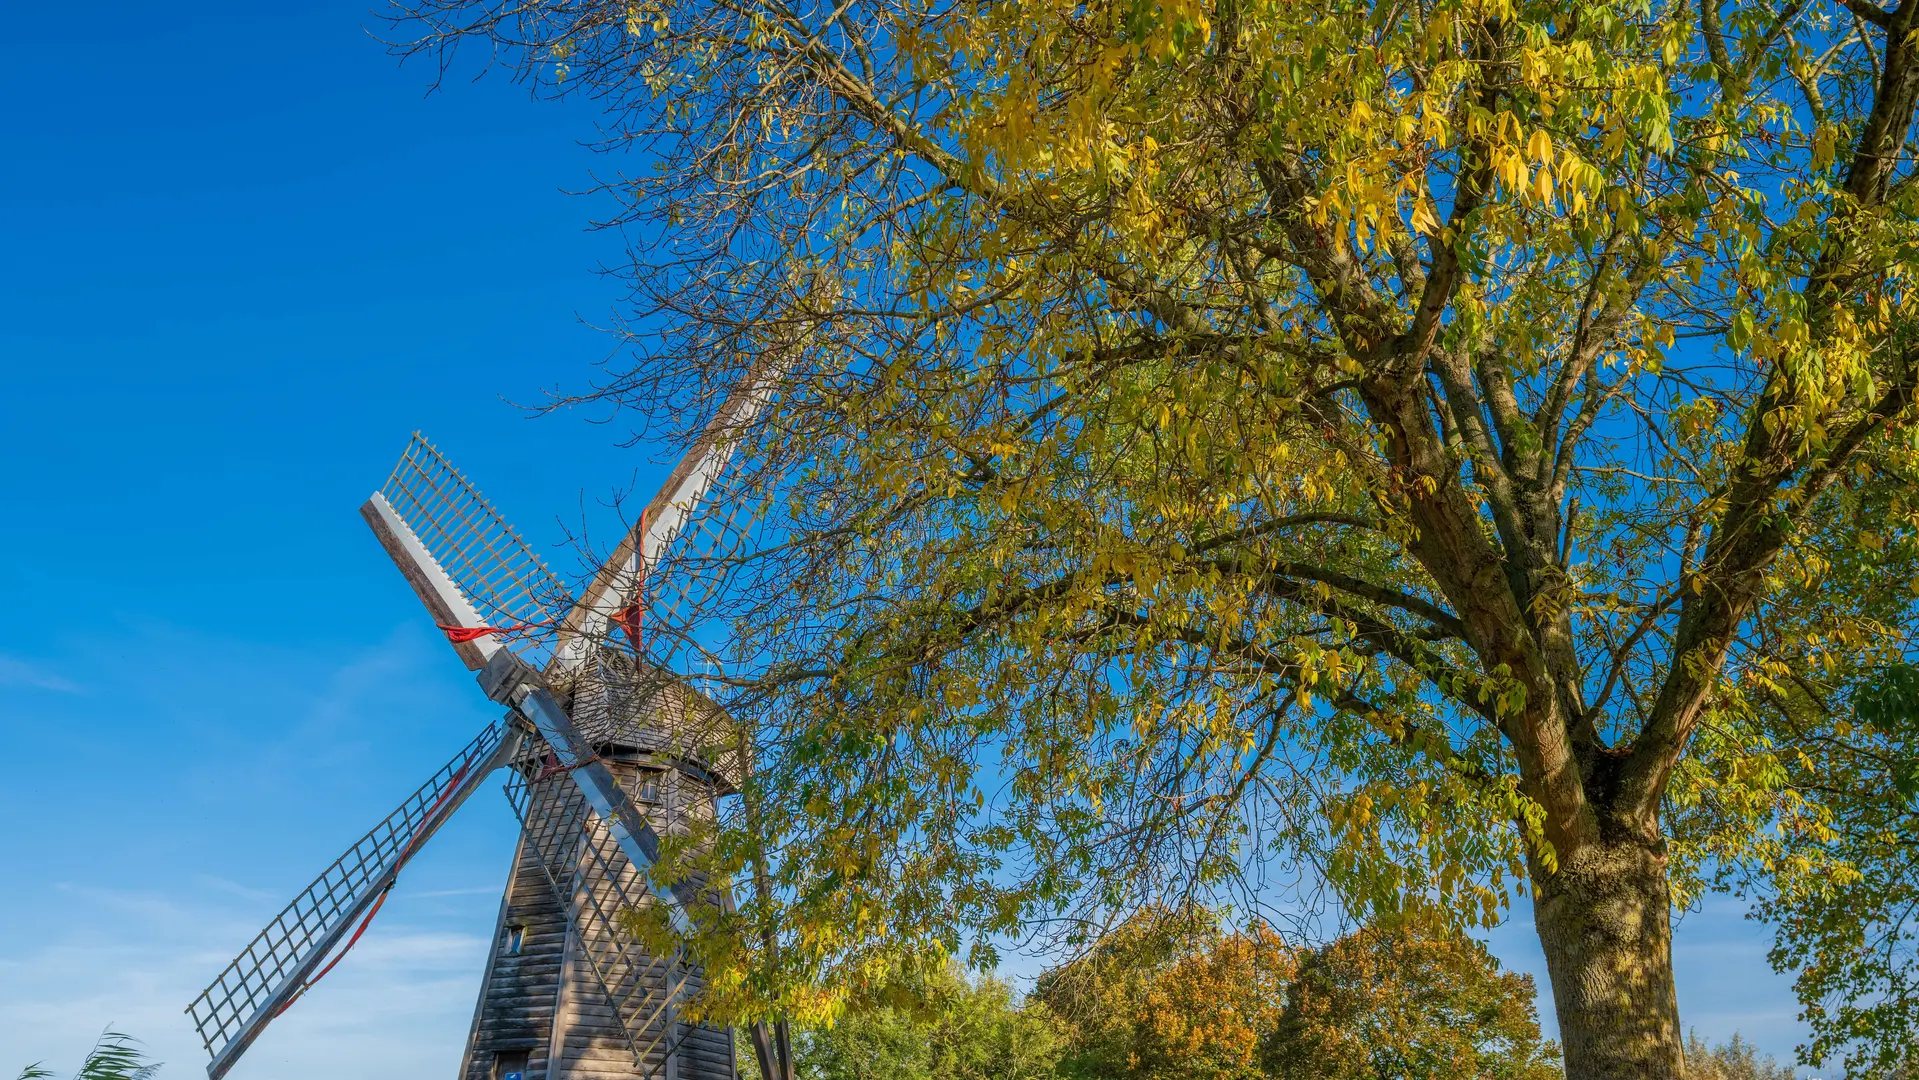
[(443, 599)]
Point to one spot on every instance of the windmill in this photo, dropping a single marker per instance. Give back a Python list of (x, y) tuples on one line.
[(606, 753)]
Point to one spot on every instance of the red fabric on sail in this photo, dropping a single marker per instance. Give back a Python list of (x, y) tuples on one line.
[(461, 634), (628, 618), (412, 845)]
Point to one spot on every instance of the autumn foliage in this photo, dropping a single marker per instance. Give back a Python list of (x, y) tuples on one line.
[(1171, 995), (1412, 451), (1177, 996), (1405, 997)]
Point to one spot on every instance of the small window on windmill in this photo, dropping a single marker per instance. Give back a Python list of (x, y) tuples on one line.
[(515, 939), (509, 1065), (649, 788)]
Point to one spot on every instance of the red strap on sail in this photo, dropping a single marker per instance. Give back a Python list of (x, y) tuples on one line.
[(412, 845), (629, 618), (461, 634)]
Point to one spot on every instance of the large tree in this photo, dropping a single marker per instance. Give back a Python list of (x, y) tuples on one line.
[(1218, 439)]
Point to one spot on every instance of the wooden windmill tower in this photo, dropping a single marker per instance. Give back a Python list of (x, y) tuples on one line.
[(606, 753)]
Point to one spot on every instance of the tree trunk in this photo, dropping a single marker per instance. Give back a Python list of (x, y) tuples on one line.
[(1605, 922), (773, 1050)]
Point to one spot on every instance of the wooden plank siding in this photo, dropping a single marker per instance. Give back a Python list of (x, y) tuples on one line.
[(518, 993), (550, 1000)]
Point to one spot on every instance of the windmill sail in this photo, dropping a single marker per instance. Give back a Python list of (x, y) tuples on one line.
[(281, 961), (694, 521), (469, 567), (473, 570)]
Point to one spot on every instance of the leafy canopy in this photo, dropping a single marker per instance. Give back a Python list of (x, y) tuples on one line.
[(1170, 995), (1175, 995), (1401, 449)]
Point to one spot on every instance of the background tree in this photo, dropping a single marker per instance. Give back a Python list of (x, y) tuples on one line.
[(932, 1025), (1170, 995), (1213, 438), (1734, 1060), (1409, 997), (1177, 996)]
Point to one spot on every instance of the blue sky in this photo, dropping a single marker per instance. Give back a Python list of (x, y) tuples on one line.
[(241, 257)]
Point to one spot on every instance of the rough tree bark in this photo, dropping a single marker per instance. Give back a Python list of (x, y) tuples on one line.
[(1604, 922)]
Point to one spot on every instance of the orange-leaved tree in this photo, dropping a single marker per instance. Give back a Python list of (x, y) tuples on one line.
[(1170, 995), (1177, 996), (1408, 997)]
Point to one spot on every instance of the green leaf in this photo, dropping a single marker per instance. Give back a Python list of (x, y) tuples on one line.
[(1890, 702)]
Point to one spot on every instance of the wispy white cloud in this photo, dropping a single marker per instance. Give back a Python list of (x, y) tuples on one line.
[(15, 671), (476, 890), (133, 958), (220, 884)]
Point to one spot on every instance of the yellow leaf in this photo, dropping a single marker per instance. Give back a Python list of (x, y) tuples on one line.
[(1540, 147), (1424, 219)]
